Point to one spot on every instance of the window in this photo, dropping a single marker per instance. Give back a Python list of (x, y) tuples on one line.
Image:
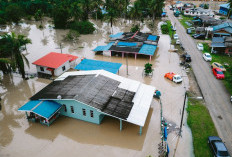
[(91, 113), (63, 68), (41, 69), (72, 109), (84, 112), (65, 108)]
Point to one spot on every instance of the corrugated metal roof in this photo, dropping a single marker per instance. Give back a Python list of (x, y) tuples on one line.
[(116, 35), (44, 109), (227, 5), (152, 37), (218, 45), (217, 40), (148, 49), (54, 60), (89, 64), (103, 48), (29, 105), (126, 44), (227, 26)]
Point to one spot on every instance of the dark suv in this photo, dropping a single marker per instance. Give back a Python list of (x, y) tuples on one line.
[(187, 57), (198, 36), (218, 147)]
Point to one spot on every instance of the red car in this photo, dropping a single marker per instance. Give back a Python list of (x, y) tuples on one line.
[(218, 73)]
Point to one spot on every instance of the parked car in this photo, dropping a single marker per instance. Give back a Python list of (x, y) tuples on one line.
[(187, 57), (192, 28), (175, 36), (218, 65), (218, 147), (189, 31), (173, 77), (198, 36), (178, 42), (200, 46), (218, 73), (207, 57)]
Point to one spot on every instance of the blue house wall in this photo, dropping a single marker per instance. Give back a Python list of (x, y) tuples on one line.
[(78, 111), (223, 11)]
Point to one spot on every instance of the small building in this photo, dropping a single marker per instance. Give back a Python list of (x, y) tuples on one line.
[(198, 11), (224, 9), (222, 45), (130, 43), (206, 21), (224, 29), (90, 64), (54, 64), (90, 96)]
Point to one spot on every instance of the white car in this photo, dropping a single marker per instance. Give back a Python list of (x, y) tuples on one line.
[(207, 57), (176, 36), (178, 42), (177, 79), (200, 46)]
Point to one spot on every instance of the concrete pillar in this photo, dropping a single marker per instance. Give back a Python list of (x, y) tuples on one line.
[(150, 58), (120, 125), (212, 50), (140, 130), (135, 55), (122, 54)]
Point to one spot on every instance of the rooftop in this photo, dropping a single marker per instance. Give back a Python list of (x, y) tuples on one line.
[(109, 93), (54, 60)]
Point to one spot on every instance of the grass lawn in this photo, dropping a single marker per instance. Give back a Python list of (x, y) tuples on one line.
[(202, 126), (186, 19), (222, 58)]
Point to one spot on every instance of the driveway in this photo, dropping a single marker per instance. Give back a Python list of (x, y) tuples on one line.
[(214, 92)]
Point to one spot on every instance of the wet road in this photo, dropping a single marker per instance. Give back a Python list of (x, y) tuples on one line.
[(213, 90)]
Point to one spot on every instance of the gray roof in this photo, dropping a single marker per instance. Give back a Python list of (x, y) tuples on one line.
[(97, 91), (218, 40), (209, 20), (218, 45)]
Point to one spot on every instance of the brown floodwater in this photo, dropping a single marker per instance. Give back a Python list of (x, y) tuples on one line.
[(71, 137)]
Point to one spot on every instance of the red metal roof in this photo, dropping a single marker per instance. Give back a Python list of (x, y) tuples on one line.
[(54, 60)]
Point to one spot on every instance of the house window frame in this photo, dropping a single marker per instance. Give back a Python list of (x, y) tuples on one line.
[(65, 108), (72, 109), (63, 68), (91, 114), (84, 112), (42, 69)]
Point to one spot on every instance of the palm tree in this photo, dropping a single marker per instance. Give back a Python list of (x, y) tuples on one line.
[(156, 7), (111, 11), (11, 46)]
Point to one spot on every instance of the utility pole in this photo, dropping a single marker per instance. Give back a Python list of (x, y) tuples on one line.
[(181, 123), (60, 47), (127, 63)]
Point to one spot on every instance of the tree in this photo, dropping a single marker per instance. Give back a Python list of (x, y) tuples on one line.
[(60, 17), (11, 48), (156, 7), (14, 13), (111, 11)]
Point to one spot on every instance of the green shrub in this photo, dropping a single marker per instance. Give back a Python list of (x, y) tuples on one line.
[(164, 28), (72, 35), (148, 68), (60, 17), (135, 28), (83, 27)]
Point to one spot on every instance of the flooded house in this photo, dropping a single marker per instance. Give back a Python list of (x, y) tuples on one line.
[(90, 96), (54, 64), (224, 29), (137, 43)]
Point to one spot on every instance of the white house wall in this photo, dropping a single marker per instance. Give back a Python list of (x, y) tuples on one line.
[(59, 71), (45, 70)]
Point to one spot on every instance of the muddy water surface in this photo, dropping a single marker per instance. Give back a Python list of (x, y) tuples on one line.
[(71, 137)]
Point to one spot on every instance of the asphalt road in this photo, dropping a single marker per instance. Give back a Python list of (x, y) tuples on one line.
[(216, 97)]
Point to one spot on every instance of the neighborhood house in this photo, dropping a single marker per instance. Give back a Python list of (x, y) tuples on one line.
[(89, 96), (54, 64)]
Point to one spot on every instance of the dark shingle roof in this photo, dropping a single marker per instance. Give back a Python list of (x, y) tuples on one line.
[(99, 92)]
